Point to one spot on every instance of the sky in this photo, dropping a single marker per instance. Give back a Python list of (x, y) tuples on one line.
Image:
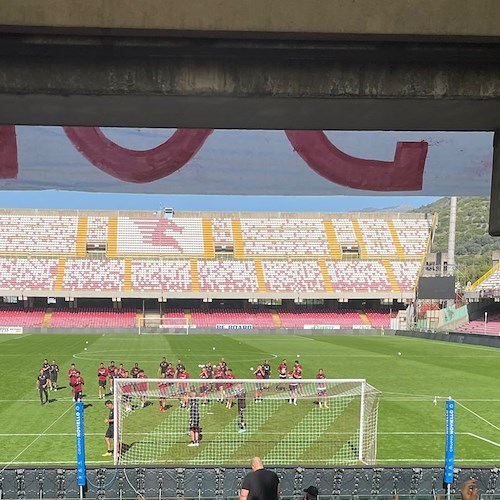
[(50, 199)]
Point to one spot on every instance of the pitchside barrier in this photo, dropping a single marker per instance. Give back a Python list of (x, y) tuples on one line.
[(345, 483), (289, 421)]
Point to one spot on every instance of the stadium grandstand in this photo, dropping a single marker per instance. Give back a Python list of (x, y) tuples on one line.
[(68, 269)]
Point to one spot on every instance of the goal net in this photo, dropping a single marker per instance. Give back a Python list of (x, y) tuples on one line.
[(162, 324), (215, 422)]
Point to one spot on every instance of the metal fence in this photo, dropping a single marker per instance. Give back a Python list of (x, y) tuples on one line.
[(349, 483)]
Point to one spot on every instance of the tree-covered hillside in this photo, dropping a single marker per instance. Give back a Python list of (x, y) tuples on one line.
[(474, 246)]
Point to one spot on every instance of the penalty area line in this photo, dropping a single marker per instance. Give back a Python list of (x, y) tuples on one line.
[(483, 439)]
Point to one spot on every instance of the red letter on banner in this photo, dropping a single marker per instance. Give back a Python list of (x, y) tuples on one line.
[(405, 173), (137, 166), (8, 152)]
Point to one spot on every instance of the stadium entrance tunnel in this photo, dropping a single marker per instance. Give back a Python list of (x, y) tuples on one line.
[(218, 483)]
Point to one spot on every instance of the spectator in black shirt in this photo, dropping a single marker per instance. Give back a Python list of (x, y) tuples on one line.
[(261, 484)]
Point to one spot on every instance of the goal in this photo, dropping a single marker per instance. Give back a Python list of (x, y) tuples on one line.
[(315, 422), (162, 324)]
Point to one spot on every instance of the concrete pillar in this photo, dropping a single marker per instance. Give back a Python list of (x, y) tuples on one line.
[(495, 188)]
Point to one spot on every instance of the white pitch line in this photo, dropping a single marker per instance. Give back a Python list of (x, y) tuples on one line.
[(483, 439), (37, 438), (478, 416)]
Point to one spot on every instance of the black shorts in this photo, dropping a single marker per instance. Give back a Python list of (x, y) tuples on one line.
[(110, 433), (53, 377), (102, 383), (77, 396)]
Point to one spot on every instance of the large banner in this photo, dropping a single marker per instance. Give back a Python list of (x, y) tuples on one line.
[(245, 162)]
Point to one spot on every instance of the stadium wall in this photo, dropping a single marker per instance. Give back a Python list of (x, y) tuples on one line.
[(458, 337), (201, 331)]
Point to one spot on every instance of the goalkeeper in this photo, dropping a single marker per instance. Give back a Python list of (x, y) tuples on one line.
[(241, 398), (194, 419)]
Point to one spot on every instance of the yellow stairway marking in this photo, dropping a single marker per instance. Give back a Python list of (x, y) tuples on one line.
[(112, 237), (127, 278), (58, 285), (395, 238), (364, 318), (81, 236), (361, 241), (195, 283), (390, 276), (277, 320), (331, 236), (239, 250), (259, 271), (47, 318), (208, 239), (326, 276)]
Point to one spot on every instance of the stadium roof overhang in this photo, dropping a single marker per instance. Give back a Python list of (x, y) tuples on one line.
[(284, 92)]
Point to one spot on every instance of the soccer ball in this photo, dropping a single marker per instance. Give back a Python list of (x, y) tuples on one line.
[(85, 349), (251, 369), (213, 348), (87, 342), (399, 354), (298, 355)]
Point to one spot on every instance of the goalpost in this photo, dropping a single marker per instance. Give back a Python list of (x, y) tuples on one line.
[(322, 422), (161, 324)]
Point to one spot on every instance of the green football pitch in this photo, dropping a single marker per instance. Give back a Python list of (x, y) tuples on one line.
[(414, 384)]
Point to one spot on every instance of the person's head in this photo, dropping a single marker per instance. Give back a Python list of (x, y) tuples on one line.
[(101, 365), (108, 403), (164, 359), (72, 366), (257, 463), (77, 373), (41, 372), (136, 365), (53, 361), (311, 493), (320, 371), (266, 361), (112, 363), (45, 361)]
